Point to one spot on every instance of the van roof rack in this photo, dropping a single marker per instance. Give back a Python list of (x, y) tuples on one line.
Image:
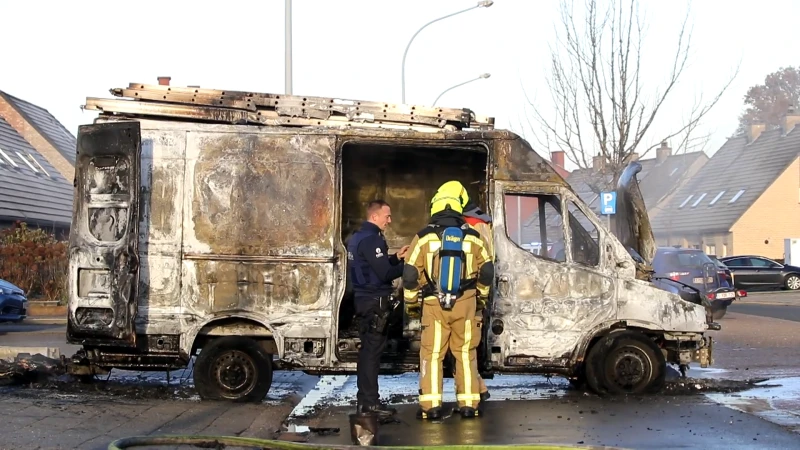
[(211, 105)]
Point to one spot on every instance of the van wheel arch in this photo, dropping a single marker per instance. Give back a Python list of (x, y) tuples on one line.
[(615, 355), (234, 326)]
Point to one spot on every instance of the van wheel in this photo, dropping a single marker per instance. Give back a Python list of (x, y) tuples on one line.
[(625, 363), (233, 368)]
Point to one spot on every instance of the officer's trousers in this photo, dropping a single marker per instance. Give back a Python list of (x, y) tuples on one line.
[(372, 345), (457, 331)]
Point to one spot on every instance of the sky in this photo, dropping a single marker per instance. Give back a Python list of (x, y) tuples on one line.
[(58, 53)]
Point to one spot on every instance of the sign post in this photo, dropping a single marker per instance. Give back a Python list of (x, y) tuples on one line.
[(608, 204)]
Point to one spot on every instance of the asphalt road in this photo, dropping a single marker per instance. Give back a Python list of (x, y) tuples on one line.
[(783, 305), (784, 312), (652, 423)]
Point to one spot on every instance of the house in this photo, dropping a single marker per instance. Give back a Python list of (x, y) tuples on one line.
[(658, 181), (520, 210), (37, 166), (744, 200)]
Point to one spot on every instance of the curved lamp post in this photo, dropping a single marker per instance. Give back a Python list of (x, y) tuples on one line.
[(482, 76), (481, 4)]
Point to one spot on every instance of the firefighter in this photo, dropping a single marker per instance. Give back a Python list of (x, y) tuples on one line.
[(448, 316), (372, 271)]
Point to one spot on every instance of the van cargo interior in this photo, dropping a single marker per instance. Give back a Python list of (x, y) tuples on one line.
[(406, 177)]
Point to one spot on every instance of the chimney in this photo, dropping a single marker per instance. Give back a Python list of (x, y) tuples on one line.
[(633, 156), (663, 152), (598, 162), (164, 81), (754, 130), (557, 158), (789, 120)]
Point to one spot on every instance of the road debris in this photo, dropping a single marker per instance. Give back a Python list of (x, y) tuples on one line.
[(26, 368)]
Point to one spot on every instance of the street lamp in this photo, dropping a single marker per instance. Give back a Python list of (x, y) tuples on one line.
[(481, 4), (287, 15), (484, 75)]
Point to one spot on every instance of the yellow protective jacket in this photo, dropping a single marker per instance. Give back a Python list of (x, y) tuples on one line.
[(478, 264), (485, 230)]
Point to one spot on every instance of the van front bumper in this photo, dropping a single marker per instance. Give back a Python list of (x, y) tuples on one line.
[(704, 352)]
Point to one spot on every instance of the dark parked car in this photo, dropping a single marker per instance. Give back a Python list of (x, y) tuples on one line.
[(13, 303), (693, 269), (723, 270), (759, 272)]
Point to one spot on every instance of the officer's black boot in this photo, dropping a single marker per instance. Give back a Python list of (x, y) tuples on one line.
[(380, 410), (431, 414)]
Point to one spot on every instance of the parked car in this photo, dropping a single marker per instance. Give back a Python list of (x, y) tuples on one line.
[(760, 272), (723, 270), (13, 303), (697, 271)]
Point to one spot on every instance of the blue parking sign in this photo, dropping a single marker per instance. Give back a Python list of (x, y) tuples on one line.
[(608, 203)]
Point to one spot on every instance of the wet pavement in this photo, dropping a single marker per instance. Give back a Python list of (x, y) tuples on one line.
[(641, 423)]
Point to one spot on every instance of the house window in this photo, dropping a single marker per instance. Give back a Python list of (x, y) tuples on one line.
[(711, 250), (10, 161), (699, 199), (736, 197), (724, 250), (533, 223), (716, 198), (25, 160), (38, 165), (686, 201)]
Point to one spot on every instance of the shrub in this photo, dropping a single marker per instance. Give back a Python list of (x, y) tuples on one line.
[(34, 260)]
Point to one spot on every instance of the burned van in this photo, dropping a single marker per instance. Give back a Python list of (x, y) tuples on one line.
[(212, 223)]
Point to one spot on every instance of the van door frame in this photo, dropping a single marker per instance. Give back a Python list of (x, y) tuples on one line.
[(111, 267), (541, 316)]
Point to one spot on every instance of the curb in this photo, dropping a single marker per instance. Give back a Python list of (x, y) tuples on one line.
[(44, 320), (11, 352)]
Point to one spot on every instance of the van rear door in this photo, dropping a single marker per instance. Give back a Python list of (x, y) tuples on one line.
[(103, 244)]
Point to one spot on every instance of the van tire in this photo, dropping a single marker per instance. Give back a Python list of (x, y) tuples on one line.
[(625, 363), (233, 368), (718, 314), (593, 366)]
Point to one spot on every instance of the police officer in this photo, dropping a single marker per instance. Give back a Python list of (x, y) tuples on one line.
[(444, 329), (372, 271)]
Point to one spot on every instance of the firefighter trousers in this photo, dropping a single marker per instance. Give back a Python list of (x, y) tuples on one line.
[(455, 330), (479, 321)]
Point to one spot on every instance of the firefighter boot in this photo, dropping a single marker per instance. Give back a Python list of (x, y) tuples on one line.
[(431, 414)]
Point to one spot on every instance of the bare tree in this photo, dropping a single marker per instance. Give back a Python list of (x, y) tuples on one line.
[(601, 105)]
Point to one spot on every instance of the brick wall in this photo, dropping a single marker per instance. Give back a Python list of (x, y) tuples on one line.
[(36, 140), (773, 217)]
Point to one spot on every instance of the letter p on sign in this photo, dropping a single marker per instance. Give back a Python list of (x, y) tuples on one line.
[(608, 202)]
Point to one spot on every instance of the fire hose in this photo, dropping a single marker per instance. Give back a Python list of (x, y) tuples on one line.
[(222, 441)]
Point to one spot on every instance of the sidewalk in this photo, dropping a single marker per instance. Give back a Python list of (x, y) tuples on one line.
[(46, 320), (777, 298)]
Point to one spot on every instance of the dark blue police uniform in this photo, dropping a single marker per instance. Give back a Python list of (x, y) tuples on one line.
[(371, 270)]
